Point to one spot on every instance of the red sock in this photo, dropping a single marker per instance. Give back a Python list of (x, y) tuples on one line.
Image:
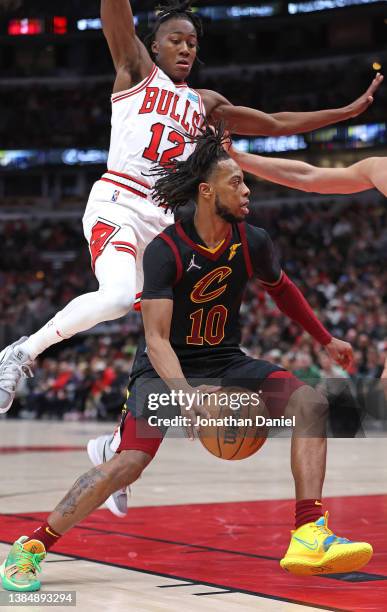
[(45, 534), (308, 511)]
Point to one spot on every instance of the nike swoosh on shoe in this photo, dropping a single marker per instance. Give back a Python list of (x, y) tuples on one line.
[(310, 545)]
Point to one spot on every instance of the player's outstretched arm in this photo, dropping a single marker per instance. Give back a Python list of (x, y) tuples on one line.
[(293, 304), (377, 173), (130, 57), (247, 121), (282, 290), (289, 298), (299, 175)]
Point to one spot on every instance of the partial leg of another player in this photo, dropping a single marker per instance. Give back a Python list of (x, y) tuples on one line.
[(314, 548), (116, 274)]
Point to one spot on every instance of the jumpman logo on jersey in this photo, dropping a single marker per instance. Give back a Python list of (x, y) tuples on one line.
[(192, 264)]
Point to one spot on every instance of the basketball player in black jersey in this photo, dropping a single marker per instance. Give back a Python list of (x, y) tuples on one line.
[(194, 276)]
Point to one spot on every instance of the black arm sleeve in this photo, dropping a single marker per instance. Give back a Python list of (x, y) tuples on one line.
[(264, 259), (159, 271)]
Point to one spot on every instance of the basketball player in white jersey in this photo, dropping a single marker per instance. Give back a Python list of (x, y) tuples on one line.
[(152, 106)]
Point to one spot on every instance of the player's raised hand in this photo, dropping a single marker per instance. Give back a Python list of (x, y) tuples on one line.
[(341, 352), (361, 104)]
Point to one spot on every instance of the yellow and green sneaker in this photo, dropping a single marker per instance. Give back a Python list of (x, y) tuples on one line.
[(18, 572), (315, 549)]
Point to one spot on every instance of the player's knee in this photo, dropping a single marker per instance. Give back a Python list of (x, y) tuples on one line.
[(122, 302), (310, 409), (117, 301), (127, 467), (313, 403)]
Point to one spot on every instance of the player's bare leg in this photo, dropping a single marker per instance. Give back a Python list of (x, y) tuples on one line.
[(18, 572), (94, 487), (309, 443), (313, 548)]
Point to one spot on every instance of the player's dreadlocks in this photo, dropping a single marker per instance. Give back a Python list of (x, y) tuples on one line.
[(173, 9), (179, 181)]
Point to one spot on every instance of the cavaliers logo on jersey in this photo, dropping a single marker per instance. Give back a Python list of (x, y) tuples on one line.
[(202, 291), (233, 250)]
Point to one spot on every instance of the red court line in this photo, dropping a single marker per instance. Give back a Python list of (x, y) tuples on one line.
[(232, 545), (7, 450)]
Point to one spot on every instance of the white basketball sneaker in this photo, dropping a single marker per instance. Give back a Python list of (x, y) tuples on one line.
[(14, 364), (99, 451)]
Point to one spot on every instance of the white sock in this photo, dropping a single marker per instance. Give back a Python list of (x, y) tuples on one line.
[(38, 342)]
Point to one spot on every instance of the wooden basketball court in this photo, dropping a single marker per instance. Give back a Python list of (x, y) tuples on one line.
[(201, 533)]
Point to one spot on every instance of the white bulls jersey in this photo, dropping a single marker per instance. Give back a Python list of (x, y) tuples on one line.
[(148, 126)]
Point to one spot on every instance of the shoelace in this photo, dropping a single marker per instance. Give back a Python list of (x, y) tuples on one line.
[(26, 561), (332, 538), (11, 374), (322, 529)]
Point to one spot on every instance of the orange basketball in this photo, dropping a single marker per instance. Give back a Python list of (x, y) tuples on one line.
[(233, 433)]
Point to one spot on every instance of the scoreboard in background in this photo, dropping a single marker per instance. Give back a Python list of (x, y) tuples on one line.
[(63, 25), (32, 27), (22, 27)]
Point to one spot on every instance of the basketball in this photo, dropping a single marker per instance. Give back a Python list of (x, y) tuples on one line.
[(233, 433)]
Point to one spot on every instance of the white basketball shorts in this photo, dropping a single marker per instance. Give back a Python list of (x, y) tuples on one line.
[(117, 218)]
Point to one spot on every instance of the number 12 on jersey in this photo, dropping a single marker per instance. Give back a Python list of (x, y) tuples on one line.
[(152, 151)]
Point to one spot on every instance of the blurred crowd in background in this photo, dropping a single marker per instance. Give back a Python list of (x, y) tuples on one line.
[(333, 251)]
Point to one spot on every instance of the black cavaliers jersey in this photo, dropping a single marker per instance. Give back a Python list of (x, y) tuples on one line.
[(206, 285)]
